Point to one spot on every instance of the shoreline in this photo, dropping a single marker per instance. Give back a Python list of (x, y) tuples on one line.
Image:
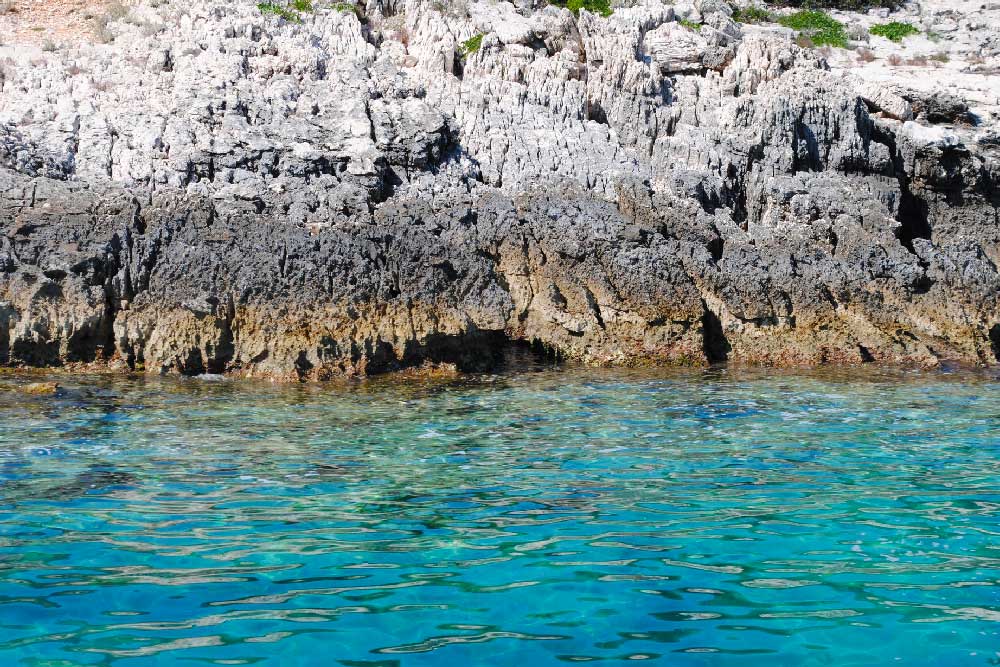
[(521, 366)]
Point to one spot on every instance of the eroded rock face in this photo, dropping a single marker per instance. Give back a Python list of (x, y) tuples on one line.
[(221, 191)]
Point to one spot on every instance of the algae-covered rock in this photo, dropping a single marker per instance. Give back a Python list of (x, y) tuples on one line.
[(40, 388)]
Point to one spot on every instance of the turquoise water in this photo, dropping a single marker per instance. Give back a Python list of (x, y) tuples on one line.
[(542, 518)]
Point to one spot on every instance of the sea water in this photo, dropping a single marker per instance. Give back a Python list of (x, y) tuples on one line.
[(717, 517)]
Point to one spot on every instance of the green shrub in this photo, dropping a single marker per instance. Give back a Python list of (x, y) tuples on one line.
[(850, 5), (858, 33), (752, 15), (345, 7), (690, 25), (471, 45), (895, 31), (278, 10), (819, 27), (602, 7), (302, 5)]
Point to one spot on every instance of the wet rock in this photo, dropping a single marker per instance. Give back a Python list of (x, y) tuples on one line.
[(40, 388)]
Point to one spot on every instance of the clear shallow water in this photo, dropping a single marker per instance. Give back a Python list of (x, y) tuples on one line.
[(702, 518)]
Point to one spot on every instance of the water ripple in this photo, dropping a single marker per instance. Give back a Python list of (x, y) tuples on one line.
[(727, 517)]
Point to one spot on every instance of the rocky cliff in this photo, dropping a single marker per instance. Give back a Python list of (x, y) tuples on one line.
[(360, 189)]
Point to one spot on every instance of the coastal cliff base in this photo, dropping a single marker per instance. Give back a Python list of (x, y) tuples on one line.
[(359, 192)]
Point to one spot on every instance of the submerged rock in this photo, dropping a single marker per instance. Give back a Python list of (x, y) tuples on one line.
[(223, 191), (40, 388)]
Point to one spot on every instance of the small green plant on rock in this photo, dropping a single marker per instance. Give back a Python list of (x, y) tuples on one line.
[(819, 27), (858, 33), (344, 7), (895, 31), (601, 7), (278, 10), (752, 15), (302, 5), (471, 45), (690, 25)]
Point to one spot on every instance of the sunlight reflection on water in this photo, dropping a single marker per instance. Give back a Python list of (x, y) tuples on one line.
[(684, 518)]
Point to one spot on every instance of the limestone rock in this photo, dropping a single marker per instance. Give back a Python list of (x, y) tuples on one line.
[(223, 191), (676, 48), (40, 388), (883, 99)]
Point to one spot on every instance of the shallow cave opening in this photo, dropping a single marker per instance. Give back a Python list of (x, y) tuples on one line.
[(914, 223), (596, 113), (194, 364), (715, 345), (995, 341), (717, 248), (479, 352), (913, 220), (522, 355), (302, 365), (87, 345), (35, 353)]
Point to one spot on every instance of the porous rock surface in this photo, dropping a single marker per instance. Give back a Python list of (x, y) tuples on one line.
[(222, 190)]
